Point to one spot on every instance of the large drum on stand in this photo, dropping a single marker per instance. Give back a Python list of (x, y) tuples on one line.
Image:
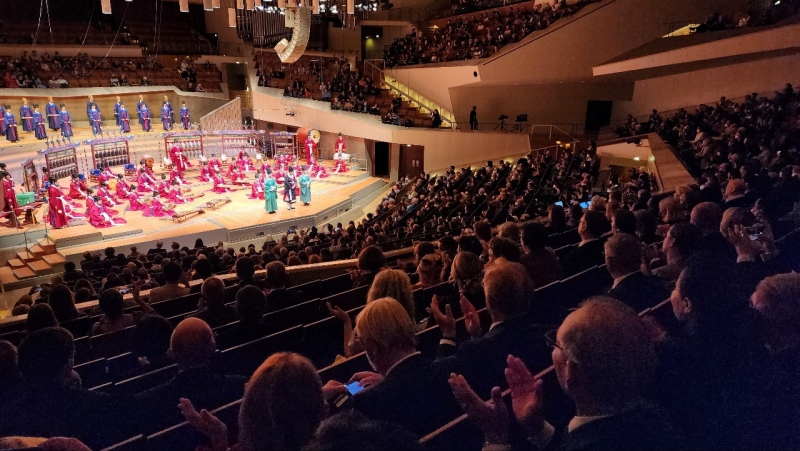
[(305, 133)]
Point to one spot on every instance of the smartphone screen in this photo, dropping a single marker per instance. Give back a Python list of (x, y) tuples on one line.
[(39, 288), (354, 387), (560, 204)]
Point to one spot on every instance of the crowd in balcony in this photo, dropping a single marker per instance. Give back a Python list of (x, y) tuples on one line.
[(477, 36)]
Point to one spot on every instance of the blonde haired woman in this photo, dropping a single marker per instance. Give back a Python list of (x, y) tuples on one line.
[(389, 283)]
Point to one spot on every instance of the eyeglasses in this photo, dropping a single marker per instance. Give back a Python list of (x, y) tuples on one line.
[(550, 338)]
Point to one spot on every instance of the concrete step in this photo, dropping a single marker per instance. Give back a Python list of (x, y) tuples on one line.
[(23, 273), (39, 266), (54, 259), (7, 276), (26, 256), (16, 263)]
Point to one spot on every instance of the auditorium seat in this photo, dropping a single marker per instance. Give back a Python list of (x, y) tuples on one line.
[(245, 358)]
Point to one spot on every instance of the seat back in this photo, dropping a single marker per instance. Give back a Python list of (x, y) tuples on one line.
[(112, 343), (335, 284), (145, 381), (246, 357), (349, 299), (177, 306), (296, 315)]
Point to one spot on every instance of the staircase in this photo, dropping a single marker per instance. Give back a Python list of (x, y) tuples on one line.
[(34, 260), (415, 99)]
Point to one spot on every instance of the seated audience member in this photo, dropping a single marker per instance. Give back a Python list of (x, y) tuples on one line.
[(736, 195), (429, 271), (278, 296), (10, 379), (114, 317), (777, 301), (63, 304), (631, 286), (410, 394), (352, 430), (604, 361), (590, 250), (71, 274), (470, 243), (756, 254), (370, 262), (706, 378), (250, 309), (508, 230), (150, 343), (707, 217), (40, 316), (47, 406), (681, 242), (245, 270), (159, 249), (202, 269), (467, 273), (172, 289), (134, 253), (282, 406), (389, 283), (540, 261), (211, 307), (504, 248), (623, 221), (191, 346), (448, 248), (509, 296)]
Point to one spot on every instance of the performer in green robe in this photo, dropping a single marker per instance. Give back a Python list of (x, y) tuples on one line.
[(305, 186), (270, 193)]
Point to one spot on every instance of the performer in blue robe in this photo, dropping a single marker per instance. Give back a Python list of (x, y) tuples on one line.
[(11, 125), (171, 111), (2, 120), (95, 121), (145, 115), (65, 121), (185, 118), (38, 123), (51, 110), (166, 122), (91, 103), (26, 116), (139, 108), (124, 119), (116, 110)]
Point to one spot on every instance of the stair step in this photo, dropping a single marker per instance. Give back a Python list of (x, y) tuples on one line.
[(54, 259), (36, 250), (48, 246), (39, 266), (23, 273), (7, 276), (16, 263), (26, 256)]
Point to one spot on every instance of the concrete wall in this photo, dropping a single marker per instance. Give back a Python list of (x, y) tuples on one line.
[(226, 117), (344, 40), (76, 98), (435, 83), (217, 22), (708, 85)]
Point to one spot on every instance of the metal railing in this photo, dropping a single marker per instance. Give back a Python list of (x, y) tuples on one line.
[(375, 70)]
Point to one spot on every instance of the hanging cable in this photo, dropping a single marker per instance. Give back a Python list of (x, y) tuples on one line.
[(119, 28)]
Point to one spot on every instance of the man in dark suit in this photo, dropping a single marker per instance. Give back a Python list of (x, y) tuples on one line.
[(279, 297), (509, 294), (159, 249), (191, 346), (707, 217), (736, 195), (409, 394), (48, 405), (590, 250), (604, 361), (631, 286)]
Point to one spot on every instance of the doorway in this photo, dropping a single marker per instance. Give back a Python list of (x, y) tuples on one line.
[(381, 159), (411, 160), (598, 114)]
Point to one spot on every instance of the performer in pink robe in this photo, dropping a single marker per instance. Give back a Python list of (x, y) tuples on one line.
[(57, 213), (174, 194), (156, 208), (122, 188), (98, 216), (177, 158), (205, 172), (311, 149), (162, 187), (341, 145), (257, 187), (107, 198), (133, 199), (175, 176), (215, 164), (145, 179), (106, 175), (339, 165), (75, 189), (218, 182), (244, 162)]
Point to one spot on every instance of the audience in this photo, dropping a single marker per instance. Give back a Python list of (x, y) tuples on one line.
[(623, 254), (540, 261), (173, 275)]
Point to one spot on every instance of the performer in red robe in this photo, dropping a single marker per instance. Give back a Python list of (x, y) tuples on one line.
[(98, 216), (215, 164), (9, 194), (163, 187), (107, 198), (57, 213), (257, 187), (339, 165), (133, 199), (106, 175), (218, 182), (156, 208), (75, 189), (174, 195), (145, 179), (177, 158), (244, 162), (235, 174), (205, 172), (122, 188), (311, 149), (175, 176), (340, 145)]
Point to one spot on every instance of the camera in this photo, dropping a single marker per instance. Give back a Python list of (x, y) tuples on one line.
[(502, 117)]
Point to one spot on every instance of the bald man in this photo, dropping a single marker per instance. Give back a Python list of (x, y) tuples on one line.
[(191, 347)]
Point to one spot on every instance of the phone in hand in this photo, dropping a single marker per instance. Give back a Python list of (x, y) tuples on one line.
[(354, 387), (755, 231), (38, 288), (125, 290)]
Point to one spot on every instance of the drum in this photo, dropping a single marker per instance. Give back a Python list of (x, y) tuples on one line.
[(149, 161), (308, 132)]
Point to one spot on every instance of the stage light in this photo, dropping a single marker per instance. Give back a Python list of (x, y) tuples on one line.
[(184, 5), (635, 158), (105, 5), (231, 17)]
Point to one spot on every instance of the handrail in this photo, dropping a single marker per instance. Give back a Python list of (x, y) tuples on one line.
[(412, 96)]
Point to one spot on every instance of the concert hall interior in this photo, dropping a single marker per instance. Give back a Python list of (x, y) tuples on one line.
[(512, 223)]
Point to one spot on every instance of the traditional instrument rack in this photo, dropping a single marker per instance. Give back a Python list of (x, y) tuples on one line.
[(235, 141), (61, 161), (29, 176), (284, 142), (113, 151), (191, 143)]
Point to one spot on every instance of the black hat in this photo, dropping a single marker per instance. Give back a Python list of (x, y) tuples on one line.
[(36, 105), (62, 104), (133, 187), (269, 171), (155, 193), (303, 167), (291, 168), (74, 175)]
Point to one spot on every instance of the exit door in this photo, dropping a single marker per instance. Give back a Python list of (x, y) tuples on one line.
[(411, 160)]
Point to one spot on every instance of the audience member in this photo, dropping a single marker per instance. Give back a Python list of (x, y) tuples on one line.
[(172, 289), (63, 304), (540, 261), (590, 249), (278, 296), (631, 286), (211, 307)]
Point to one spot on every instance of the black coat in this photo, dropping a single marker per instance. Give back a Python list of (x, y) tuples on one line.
[(412, 396), (640, 291), (584, 257), (282, 298)]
